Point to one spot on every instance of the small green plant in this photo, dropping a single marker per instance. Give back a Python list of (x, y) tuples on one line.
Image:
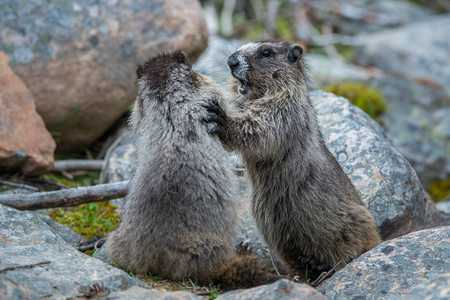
[(3, 188), (156, 277), (214, 291), (368, 98), (130, 272)]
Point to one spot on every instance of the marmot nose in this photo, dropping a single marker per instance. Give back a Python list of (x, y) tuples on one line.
[(233, 61)]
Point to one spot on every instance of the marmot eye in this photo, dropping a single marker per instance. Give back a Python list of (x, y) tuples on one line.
[(266, 53)]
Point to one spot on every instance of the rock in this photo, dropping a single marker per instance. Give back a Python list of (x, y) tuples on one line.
[(436, 289), (391, 51), (326, 70), (25, 143), (444, 206), (384, 179), (12, 291), (394, 268), (119, 160), (137, 293), (356, 16), (79, 58), (282, 289), (71, 237), (416, 123), (34, 256)]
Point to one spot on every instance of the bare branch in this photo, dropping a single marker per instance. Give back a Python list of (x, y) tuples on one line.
[(18, 185), (68, 197), (78, 164)]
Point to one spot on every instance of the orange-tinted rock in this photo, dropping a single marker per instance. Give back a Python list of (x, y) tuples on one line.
[(25, 143), (79, 58)]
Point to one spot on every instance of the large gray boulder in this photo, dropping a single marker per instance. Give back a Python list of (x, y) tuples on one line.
[(79, 58), (395, 268), (418, 51), (33, 256), (436, 289)]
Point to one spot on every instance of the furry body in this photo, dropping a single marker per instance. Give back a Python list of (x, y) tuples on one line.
[(304, 204), (179, 218)]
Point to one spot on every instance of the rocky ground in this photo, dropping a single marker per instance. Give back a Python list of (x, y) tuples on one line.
[(399, 48)]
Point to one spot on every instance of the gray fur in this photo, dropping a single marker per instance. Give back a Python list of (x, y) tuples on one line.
[(303, 203), (179, 218)]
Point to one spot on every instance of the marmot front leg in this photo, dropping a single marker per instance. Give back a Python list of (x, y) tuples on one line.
[(238, 132)]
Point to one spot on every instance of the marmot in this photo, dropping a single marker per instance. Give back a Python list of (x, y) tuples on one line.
[(179, 217), (305, 206)]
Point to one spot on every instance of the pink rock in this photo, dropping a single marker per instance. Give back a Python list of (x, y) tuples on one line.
[(25, 143)]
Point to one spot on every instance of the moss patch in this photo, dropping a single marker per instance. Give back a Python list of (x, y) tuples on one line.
[(439, 189), (88, 219), (368, 98)]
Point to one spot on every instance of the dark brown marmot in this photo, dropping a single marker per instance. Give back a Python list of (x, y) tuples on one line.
[(304, 204), (179, 217)]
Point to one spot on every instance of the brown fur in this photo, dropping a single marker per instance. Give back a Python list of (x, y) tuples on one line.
[(179, 218), (304, 204)]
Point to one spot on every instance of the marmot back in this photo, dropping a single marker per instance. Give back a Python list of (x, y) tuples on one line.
[(179, 218)]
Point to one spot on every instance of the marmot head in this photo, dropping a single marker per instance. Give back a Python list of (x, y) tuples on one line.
[(164, 74), (167, 84), (267, 68)]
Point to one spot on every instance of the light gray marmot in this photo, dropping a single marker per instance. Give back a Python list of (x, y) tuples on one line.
[(304, 204), (179, 217)]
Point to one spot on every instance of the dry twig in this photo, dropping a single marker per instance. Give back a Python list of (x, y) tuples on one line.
[(78, 164), (68, 197)]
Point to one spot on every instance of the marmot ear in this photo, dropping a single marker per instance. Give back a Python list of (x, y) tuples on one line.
[(295, 52), (140, 71), (182, 57)]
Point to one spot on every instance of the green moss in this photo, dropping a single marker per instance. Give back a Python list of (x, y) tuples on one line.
[(80, 180), (439, 189), (88, 219), (368, 98), (3, 188)]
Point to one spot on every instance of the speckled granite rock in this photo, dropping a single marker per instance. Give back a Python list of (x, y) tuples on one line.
[(417, 124), (384, 179), (394, 268), (55, 267), (119, 160), (79, 58), (138, 293), (25, 144), (13, 291), (281, 290), (436, 289), (71, 237)]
